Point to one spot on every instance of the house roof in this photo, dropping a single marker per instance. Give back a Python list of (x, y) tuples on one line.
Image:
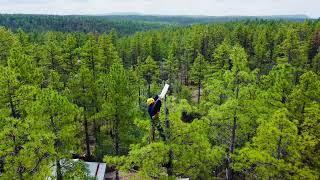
[(97, 169)]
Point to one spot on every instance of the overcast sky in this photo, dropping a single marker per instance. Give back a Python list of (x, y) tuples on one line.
[(164, 7)]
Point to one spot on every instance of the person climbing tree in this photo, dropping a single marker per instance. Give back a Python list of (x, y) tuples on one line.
[(154, 105)]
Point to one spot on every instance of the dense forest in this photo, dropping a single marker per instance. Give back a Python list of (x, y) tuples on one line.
[(243, 103), (123, 24), (85, 24)]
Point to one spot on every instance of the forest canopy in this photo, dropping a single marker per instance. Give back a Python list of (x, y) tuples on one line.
[(244, 100), (123, 24)]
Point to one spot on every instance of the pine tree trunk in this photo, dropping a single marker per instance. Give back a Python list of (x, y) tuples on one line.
[(279, 148), (21, 176), (88, 153), (279, 144), (59, 173), (229, 172), (233, 135), (116, 141), (93, 65), (168, 133), (1, 164), (95, 130), (96, 127), (153, 136), (149, 90), (139, 96), (20, 172), (170, 164), (199, 91), (14, 112)]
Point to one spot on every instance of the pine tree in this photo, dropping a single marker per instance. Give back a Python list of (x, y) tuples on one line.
[(150, 72), (71, 56), (170, 67), (303, 108), (90, 55), (274, 152), (294, 52), (276, 88), (119, 105), (113, 36), (26, 151), (222, 60), (92, 60), (230, 118), (108, 53), (263, 54), (7, 39), (81, 92), (54, 81), (198, 71), (57, 116), (52, 48), (316, 63), (24, 66), (9, 87), (315, 45)]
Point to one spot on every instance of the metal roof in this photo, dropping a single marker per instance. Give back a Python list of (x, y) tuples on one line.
[(96, 169)]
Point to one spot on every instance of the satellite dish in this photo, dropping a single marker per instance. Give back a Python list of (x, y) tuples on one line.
[(164, 91)]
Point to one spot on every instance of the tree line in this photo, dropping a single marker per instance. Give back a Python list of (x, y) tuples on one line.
[(123, 24), (75, 23), (243, 101)]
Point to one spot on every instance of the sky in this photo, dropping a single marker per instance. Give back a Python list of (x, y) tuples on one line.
[(164, 7)]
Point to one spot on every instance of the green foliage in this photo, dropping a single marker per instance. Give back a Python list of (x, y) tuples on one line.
[(55, 112), (27, 150), (222, 57), (81, 88), (102, 24), (193, 155), (7, 40), (108, 52), (185, 93), (274, 152), (199, 68), (170, 67), (118, 107), (70, 53), (24, 66), (315, 63), (71, 93), (52, 52), (57, 116), (76, 170), (90, 55), (150, 72)]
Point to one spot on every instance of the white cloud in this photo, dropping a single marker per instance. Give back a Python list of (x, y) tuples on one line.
[(171, 7)]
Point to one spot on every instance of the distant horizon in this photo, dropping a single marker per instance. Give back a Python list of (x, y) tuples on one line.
[(182, 15), (163, 7)]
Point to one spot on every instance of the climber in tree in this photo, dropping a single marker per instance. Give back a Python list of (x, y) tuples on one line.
[(154, 106)]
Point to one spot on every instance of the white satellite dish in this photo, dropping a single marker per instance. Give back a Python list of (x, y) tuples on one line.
[(164, 91)]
